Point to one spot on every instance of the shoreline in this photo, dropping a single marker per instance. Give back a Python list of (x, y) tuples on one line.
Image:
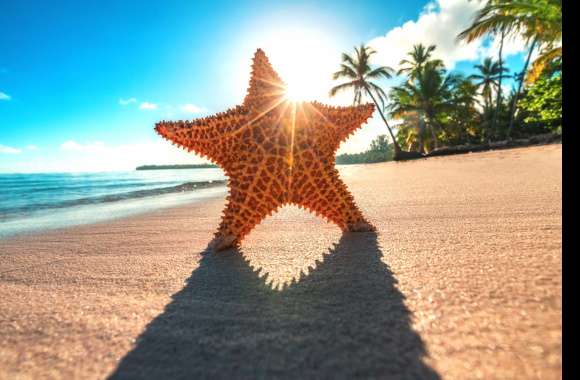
[(174, 201), (465, 265), (195, 197), (86, 214)]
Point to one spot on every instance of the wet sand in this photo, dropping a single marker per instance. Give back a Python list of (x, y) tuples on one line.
[(462, 280)]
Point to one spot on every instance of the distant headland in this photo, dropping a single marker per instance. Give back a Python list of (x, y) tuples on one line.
[(166, 167)]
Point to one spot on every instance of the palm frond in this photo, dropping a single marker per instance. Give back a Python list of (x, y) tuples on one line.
[(345, 72), (379, 92), (346, 58), (532, 19), (343, 87), (380, 72), (541, 62)]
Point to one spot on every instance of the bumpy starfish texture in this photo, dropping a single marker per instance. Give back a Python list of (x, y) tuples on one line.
[(275, 152)]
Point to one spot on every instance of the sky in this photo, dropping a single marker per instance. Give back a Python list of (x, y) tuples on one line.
[(83, 83)]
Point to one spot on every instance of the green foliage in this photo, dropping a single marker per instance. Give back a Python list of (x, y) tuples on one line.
[(488, 79), (532, 19), (420, 101), (543, 101), (360, 75), (437, 107), (463, 123), (538, 22), (418, 57), (361, 78), (379, 151)]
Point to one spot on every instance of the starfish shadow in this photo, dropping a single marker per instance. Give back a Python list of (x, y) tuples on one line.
[(345, 319)]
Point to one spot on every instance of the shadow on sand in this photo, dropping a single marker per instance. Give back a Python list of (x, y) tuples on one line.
[(345, 319)]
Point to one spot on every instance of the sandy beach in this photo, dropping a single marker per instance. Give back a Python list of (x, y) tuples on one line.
[(461, 281)]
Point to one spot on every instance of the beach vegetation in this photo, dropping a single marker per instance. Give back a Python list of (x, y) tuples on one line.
[(436, 108), (538, 22), (542, 102), (360, 76), (380, 151), (425, 98)]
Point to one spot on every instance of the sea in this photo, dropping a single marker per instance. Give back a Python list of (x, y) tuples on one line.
[(37, 202)]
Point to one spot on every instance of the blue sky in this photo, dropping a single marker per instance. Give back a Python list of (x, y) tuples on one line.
[(82, 83)]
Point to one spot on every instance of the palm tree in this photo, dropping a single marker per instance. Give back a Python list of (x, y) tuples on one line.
[(538, 21), (516, 96), (360, 75), (428, 95), (464, 117), (488, 80), (499, 88), (465, 93), (411, 132), (474, 32), (419, 56)]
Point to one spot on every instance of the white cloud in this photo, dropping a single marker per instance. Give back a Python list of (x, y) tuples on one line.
[(125, 102), (31, 147), (73, 146), (98, 156), (439, 24), (9, 150), (4, 96), (148, 106), (187, 108), (192, 108)]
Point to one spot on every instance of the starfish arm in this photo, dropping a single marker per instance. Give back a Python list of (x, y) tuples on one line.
[(250, 200), (343, 121), (328, 196), (266, 87), (206, 136)]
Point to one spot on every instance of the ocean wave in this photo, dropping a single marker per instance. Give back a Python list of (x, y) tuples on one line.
[(9, 213), (103, 185)]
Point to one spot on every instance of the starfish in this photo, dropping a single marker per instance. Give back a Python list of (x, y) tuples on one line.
[(274, 152)]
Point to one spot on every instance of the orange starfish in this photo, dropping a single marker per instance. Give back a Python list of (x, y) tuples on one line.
[(274, 152)]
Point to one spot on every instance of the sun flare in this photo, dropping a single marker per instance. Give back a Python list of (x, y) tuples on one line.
[(304, 57), (298, 91)]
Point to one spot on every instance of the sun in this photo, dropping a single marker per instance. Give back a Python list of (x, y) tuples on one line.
[(305, 70), (305, 59), (298, 91)]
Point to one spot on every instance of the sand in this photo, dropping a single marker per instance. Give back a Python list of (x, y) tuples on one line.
[(461, 281)]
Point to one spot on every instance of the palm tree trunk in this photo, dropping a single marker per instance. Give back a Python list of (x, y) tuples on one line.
[(498, 99), (433, 125), (433, 136), (421, 134), (395, 144), (489, 110), (515, 101)]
